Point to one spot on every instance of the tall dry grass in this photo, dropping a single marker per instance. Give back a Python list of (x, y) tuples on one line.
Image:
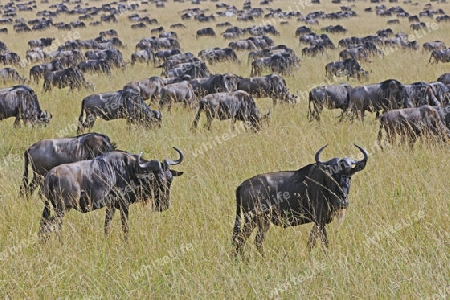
[(393, 243)]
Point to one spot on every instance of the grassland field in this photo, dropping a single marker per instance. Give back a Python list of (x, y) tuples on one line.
[(394, 241)]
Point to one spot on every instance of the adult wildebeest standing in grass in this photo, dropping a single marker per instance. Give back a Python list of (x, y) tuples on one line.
[(384, 96), (47, 154), (177, 92), (332, 97), (71, 77), (439, 56), (21, 101), (115, 179), (411, 123), (314, 193), (124, 104), (238, 105), (348, 67), (145, 55), (148, 88), (272, 85), (205, 32), (94, 65), (10, 74)]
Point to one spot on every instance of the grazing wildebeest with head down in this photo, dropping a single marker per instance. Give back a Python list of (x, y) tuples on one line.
[(47, 154), (115, 179), (314, 193), (411, 123), (10, 74), (272, 85), (348, 67), (21, 101), (238, 105), (124, 104)]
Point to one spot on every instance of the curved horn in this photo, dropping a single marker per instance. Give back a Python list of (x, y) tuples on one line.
[(175, 162), (153, 165), (318, 154), (361, 164)]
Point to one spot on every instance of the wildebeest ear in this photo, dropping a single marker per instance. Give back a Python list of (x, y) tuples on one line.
[(176, 173)]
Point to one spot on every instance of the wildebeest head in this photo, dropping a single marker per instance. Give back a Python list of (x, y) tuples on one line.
[(335, 176), (44, 118), (163, 176), (392, 93)]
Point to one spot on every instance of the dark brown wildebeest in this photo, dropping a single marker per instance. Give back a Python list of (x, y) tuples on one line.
[(115, 179), (314, 193), (205, 32), (20, 101), (47, 154), (238, 105), (377, 97), (272, 85), (124, 104), (71, 77), (332, 97), (411, 123)]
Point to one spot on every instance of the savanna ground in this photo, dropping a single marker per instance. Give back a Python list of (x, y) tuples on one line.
[(393, 243)]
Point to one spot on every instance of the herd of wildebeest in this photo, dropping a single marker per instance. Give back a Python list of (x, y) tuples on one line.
[(87, 172)]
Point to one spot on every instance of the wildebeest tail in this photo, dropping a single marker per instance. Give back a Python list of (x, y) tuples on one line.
[(24, 186), (237, 221), (311, 114)]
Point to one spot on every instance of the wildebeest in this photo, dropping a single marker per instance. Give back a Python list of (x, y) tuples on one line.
[(145, 55), (238, 105), (314, 193), (21, 101), (71, 77), (434, 45), (10, 74), (37, 71), (384, 96), (123, 104), (349, 67), (440, 56), (420, 93), (94, 65), (47, 154), (9, 58), (214, 84), (332, 97), (272, 85), (444, 78), (218, 55), (177, 92), (411, 123), (148, 88), (205, 32), (115, 179)]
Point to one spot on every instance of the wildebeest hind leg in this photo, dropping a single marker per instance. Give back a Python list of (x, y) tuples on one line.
[(241, 238), (263, 227), (110, 210), (313, 236)]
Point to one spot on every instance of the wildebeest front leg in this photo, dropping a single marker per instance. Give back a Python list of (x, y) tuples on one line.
[(110, 210)]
